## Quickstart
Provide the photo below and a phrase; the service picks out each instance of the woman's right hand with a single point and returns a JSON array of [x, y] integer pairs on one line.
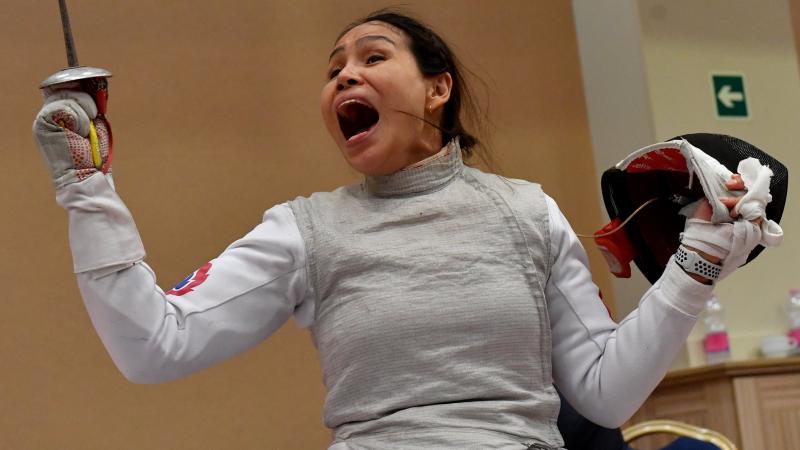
[[63, 132]]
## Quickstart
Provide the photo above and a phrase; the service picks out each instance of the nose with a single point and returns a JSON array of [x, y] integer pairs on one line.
[[349, 82], [346, 78]]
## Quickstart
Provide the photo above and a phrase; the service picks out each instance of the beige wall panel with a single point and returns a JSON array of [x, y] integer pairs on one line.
[[683, 42], [657, 76], [215, 113]]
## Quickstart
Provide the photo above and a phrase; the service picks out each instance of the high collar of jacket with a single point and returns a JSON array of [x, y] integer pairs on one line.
[[428, 175]]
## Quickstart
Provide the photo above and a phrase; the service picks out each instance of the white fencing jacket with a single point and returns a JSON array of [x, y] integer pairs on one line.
[[604, 369]]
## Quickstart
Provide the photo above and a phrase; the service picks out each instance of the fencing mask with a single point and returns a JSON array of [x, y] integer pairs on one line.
[[659, 181]]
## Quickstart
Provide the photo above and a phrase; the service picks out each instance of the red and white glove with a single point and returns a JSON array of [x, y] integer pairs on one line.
[[61, 130]]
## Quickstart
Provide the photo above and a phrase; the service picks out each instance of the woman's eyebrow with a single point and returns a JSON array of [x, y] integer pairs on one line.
[[360, 42]]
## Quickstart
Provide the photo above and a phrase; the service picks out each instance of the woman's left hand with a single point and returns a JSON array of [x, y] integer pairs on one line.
[[734, 184], [714, 241]]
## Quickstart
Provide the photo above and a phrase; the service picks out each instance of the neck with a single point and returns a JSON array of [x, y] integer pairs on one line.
[[426, 175]]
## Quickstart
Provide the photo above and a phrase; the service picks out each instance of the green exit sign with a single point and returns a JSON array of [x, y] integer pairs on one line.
[[729, 96]]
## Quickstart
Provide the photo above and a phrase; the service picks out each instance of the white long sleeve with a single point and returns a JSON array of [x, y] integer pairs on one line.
[[229, 305], [605, 370]]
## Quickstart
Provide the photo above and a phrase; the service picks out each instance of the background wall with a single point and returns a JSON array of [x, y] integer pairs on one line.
[[681, 50], [215, 113], [657, 83]]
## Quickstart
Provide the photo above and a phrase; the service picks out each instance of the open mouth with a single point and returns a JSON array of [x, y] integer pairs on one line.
[[356, 118]]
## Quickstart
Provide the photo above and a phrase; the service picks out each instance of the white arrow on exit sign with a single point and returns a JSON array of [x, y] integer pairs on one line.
[[726, 96], [730, 95]]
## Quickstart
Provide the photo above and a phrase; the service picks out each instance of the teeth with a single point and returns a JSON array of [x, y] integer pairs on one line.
[[355, 117], [351, 101]]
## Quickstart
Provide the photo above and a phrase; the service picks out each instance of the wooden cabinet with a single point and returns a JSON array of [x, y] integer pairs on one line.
[[755, 403]]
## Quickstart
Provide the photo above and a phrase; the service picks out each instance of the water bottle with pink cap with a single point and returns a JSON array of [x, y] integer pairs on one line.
[[793, 307], [716, 345]]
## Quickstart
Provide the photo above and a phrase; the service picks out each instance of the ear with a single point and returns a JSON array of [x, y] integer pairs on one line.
[[439, 91]]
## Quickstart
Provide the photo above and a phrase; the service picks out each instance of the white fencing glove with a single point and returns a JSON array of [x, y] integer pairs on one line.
[[62, 131]]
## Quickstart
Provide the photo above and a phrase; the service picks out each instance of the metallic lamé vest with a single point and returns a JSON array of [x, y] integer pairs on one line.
[[431, 321]]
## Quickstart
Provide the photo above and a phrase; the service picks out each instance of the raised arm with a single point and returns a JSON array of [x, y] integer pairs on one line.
[[607, 370], [225, 307]]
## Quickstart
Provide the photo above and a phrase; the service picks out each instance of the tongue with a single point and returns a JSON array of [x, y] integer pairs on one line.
[[357, 118]]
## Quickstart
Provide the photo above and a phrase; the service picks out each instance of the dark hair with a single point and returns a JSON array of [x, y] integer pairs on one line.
[[434, 57]]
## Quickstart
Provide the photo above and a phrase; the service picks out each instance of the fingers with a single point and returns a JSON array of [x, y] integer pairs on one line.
[[69, 85], [82, 99], [703, 210], [735, 183], [731, 202], [65, 114]]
